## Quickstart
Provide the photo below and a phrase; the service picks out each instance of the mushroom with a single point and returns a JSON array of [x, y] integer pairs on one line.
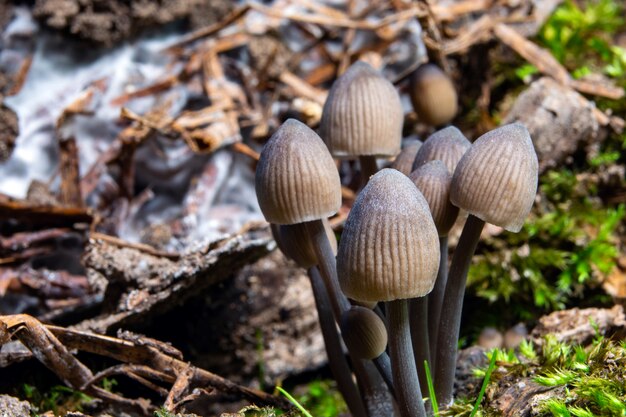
[[297, 183], [433, 95], [404, 160], [433, 180], [364, 332], [365, 335], [362, 117], [300, 250], [447, 145], [389, 252], [496, 182]]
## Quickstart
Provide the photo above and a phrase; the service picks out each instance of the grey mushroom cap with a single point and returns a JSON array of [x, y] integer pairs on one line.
[[294, 242], [363, 115], [496, 180], [434, 180], [296, 178], [389, 248], [404, 160], [447, 145]]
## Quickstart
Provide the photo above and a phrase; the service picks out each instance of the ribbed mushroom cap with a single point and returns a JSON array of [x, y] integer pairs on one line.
[[294, 242], [433, 180], [404, 160], [389, 248], [296, 178], [496, 180], [433, 95], [362, 115], [364, 332], [447, 145]]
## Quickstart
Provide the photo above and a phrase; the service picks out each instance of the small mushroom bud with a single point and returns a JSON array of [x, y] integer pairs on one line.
[[515, 336], [433, 95], [496, 180], [296, 178], [490, 338], [433, 180], [364, 332], [362, 115], [404, 160], [290, 242], [447, 145]]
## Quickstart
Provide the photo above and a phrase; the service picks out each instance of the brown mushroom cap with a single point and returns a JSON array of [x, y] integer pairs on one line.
[[404, 160], [294, 242], [496, 180], [389, 248], [433, 180], [362, 115], [433, 95], [447, 145], [364, 332], [296, 178]]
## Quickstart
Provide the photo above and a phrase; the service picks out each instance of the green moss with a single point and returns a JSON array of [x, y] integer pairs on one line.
[[59, 399], [592, 379]]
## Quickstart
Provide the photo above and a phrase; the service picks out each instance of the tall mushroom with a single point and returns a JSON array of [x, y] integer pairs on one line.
[[433, 180], [362, 117], [447, 145], [297, 183], [495, 182], [389, 252]]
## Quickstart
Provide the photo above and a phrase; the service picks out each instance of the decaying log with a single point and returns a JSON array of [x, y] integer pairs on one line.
[[559, 119], [580, 326], [140, 282]]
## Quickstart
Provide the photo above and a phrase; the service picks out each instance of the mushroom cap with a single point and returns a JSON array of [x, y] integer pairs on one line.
[[433, 180], [404, 160], [496, 180], [296, 178], [389, 248], [362, 115], [447, 145], [433, 95], [294, 241], [364, 332]]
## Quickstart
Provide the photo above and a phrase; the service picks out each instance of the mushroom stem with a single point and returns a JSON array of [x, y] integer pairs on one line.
[[327, 265], [336, 357], [450, 321], [383, 364], [418, 311], [369, 167], [405, 378], [435, 300]]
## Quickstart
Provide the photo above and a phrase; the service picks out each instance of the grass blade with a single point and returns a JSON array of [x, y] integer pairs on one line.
[[294, 402], [483, 388], [431, 389]]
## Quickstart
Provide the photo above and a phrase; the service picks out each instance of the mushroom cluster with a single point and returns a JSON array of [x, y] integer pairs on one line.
[[380, 292]]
